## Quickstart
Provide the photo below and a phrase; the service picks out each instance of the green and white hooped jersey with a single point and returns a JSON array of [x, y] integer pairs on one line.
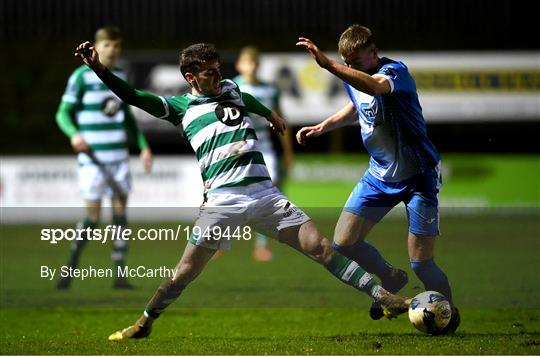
[[222, 135], [100, 115], [268, 95]]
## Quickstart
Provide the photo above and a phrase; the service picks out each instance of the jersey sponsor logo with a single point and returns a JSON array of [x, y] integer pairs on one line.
[[229, 114], [110, 106], [368, 113]]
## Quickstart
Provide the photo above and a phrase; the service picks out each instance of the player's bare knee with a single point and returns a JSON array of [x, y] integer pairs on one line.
[[327, 251], [310, 240], [321, 251]]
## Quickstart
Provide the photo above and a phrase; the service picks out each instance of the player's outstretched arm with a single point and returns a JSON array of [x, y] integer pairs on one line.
[[356, 78], [342, 118], [146, 101]]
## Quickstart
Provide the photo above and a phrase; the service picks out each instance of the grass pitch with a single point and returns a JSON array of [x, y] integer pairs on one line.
[[288, 306]]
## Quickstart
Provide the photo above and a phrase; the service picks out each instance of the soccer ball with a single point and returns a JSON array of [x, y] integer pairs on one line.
[[430, 312]]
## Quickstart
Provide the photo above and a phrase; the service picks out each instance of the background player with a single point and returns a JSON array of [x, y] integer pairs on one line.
[[404, 164], [96, 121], [238, 190], [268, 94]]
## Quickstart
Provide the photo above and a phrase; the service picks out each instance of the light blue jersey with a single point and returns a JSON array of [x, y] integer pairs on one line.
[[393, 127]]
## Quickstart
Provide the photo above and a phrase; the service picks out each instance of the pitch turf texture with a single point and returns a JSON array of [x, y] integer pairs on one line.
[[289, 306], [292, 305]]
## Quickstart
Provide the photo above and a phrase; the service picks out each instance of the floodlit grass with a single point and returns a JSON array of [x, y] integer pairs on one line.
[[288, 306]]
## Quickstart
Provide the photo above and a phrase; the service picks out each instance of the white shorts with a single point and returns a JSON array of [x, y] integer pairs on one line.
[[93, 184], [230, 213]]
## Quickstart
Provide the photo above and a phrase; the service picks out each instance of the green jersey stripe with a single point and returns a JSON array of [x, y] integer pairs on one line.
[[246, 181], [102, 126], [225, 143], [98, 147], [88, 117], [106, 156], [95, 87], [224, 139], [248, 158], [98, 107], [197, 125]]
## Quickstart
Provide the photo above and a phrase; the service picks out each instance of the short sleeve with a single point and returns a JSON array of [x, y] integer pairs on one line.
[[398, 76], [74, 88], [175, 108]]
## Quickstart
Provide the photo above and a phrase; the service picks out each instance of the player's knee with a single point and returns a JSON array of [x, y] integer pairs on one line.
[[310, 240], [322, 251]]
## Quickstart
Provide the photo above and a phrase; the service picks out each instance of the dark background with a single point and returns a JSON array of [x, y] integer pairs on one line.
[[38, 38]]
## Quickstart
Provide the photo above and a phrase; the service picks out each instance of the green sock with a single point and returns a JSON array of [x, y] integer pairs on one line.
[[78, 245], [119, 220], [352, 274], [119, 247], [261, 240]]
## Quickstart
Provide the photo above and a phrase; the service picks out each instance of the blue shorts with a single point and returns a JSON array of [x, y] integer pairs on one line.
[[373, 199]]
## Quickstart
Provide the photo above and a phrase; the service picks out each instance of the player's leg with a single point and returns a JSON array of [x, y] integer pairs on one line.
[[349, 239], [423, 216], [89, 223], [92, 188], [119, 246], [367, 205], [215, 212], [274, 214], [307, 239], [261, 249], [93, 213], [421, 254], [190, 266]]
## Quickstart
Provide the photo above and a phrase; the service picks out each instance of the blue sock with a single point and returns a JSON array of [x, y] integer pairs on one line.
[[367, 256], [432, 277]]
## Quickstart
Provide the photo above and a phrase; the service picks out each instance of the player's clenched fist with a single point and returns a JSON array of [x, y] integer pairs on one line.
[[147, 160], [78, 144], [88, 54]]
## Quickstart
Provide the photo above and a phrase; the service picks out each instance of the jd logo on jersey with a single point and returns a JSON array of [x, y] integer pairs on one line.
[[110, 106], [229, 114]]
